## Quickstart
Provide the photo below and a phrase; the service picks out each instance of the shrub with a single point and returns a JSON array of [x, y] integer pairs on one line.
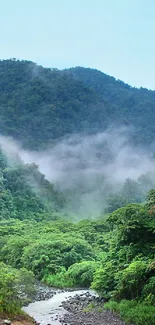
[[131, 280], [59, 279], [133, 312], [47, 256], [104, 280], [14, 286], [82, 273], [148, 293]]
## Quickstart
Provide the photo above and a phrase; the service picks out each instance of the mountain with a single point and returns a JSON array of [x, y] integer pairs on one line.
[[39, 105], [129, 106], [113, 253]]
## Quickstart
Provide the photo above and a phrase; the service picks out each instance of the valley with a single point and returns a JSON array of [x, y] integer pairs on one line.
[[77, 195]]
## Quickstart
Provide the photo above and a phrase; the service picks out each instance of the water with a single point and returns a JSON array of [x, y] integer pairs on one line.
[[49, 311]]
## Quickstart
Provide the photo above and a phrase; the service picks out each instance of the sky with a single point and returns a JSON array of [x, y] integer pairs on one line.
[[114, 36]]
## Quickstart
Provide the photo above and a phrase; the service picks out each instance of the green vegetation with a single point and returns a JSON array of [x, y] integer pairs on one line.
[[115, 253], [124, 105], [16, 286], [39, 105], [133, 312], [25, 193]]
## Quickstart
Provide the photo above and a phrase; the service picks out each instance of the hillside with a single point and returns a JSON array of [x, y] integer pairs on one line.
[[109, 244], [39, 105], [25, 193], [129, 106]]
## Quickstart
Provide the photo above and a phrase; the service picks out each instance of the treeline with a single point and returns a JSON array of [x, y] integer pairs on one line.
[[128, 106], [113, 255], [131, 191], [24, 191], [39, 105]]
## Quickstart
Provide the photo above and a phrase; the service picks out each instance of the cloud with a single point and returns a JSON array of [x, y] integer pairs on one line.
[[85, 168]]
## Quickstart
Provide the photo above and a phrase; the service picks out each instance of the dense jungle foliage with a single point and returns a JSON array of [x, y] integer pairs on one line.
[[127, 105], [39, 105], [114, 253]]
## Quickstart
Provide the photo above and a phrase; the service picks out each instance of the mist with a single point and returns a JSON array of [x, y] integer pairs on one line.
[[86, 168]]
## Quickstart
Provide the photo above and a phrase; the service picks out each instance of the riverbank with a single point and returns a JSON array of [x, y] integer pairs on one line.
[[22, 319], [71, 308], [63, 307], [88, 310]]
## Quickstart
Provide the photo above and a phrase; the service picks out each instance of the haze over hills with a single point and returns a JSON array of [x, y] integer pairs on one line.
[[91, 136], [77, 173], [81, 127], [77, 162], [128, 105], [39, 105]]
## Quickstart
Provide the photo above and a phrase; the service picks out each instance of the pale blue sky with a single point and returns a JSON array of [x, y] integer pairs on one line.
[[114, 36]]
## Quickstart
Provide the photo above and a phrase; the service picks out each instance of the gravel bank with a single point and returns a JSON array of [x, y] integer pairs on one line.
[[80, 313]]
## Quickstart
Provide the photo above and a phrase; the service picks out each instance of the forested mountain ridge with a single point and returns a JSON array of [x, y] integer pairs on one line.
[[114, 252], [38, 105], [130, 106]]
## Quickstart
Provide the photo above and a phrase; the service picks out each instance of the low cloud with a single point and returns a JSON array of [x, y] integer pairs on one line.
[[85, 168]]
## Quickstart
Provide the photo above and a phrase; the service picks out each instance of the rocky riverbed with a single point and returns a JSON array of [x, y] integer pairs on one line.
[[43, 292], [81, 307], [54, 307], [85, 309]]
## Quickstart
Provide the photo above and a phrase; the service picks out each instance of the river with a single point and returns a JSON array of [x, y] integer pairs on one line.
[[50, 311]]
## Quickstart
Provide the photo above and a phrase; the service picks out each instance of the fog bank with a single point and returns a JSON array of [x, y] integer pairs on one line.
[[85, 168]]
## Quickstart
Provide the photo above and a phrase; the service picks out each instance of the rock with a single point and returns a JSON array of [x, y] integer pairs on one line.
[[76, 316], [7, 321]]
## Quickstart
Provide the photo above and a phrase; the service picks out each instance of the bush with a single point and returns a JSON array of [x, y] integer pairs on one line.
[[78, 274], [15, 285], [148, 293], [59, 279], [133, 312], [104, 280], [82, 273], [48, 255], [131, 280]]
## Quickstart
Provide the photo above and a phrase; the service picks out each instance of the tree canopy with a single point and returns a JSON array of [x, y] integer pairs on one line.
[[39, 105]]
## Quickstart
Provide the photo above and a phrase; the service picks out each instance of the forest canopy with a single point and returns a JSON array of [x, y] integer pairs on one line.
[[41, 239], [39, 105]]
